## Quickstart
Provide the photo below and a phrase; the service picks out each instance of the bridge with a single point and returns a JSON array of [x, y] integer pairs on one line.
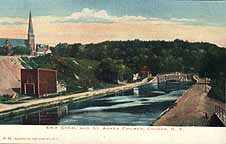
[[177, 76], [165, 80]]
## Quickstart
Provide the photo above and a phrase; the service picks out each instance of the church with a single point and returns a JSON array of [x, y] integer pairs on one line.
[[29, 42]]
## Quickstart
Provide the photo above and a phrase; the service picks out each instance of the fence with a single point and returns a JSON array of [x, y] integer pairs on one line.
[[221, 113]]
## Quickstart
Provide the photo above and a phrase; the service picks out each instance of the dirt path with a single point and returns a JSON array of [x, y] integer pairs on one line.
[[191, 108]]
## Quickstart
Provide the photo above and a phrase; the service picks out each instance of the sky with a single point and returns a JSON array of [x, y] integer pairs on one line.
[[92, 21]]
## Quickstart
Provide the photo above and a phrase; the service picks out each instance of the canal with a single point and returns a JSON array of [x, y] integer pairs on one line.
[[136, 107]]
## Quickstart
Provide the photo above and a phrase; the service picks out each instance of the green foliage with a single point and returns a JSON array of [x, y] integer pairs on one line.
[[3, 50], [111, 71], [19, 50], [78, 75], [108, 70], [218, 89], [67, 50], [4, 98], [119, 59], [111, 61]]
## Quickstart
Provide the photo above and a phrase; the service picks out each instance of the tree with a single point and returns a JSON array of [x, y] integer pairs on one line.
[[20, 50], [3, 50], [118, 59], [107, 71]]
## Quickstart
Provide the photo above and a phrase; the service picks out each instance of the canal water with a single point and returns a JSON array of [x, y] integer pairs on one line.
[[136, 107]]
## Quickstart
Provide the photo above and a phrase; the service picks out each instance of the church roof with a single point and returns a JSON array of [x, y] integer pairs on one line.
[[15, 42]]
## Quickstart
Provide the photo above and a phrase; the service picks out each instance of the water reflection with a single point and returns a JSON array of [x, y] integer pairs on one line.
[[125, 108], [139, 106], [45, 117]]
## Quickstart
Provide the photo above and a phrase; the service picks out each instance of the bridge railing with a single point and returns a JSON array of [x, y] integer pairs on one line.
[[221, 113], [174, 76]]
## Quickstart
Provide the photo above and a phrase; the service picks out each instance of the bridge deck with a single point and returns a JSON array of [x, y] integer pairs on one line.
[[174, 76]]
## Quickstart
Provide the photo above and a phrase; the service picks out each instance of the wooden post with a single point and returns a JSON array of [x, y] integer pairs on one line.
[[25, 89], [165, 81], [157, 81]]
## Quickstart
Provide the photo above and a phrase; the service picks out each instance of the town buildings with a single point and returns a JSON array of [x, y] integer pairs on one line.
[[29, 42], [35, 49], [42, 49]]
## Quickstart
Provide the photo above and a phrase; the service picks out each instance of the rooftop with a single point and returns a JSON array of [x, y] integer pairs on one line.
[[15, 42]]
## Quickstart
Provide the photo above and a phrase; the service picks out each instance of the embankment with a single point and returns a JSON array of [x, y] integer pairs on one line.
[[13, 110], [10, 68], [193, 108]]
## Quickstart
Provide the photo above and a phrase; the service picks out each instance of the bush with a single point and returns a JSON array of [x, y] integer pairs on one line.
[[3, 51], [19, 50], [4, 98]]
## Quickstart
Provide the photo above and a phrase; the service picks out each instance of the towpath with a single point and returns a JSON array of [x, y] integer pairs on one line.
[[193, 108], [6, 109]]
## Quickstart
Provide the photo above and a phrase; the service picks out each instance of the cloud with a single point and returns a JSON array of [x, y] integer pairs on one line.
[[12, 21], [89, 25], [90, 15], [87, 15], [182, 20]]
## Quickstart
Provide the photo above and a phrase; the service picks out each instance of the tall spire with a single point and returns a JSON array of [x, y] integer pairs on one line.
[[30, 28], [31, 36]]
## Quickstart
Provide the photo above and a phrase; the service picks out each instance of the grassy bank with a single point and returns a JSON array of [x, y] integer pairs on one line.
[[77, 74]]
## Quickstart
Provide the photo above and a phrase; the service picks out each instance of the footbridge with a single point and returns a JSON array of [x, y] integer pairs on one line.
[[176, 76]]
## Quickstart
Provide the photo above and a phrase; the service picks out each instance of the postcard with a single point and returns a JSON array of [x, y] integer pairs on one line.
[[113, 71]]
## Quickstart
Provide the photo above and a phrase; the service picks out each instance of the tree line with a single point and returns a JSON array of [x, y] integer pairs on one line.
[[118, 60], [18, 50]]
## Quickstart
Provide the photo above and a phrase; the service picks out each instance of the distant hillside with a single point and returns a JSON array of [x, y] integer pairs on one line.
[[121, 59]]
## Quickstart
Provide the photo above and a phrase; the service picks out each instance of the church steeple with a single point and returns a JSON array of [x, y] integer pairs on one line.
[[31, 36], [30, 27]]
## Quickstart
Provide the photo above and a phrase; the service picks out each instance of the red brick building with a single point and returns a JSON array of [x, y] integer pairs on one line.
[[38, 82]]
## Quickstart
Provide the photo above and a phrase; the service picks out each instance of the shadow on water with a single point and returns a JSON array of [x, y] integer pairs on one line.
[[138, 106]]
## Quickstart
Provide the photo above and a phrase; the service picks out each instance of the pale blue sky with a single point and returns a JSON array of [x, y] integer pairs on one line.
[[207, 12]]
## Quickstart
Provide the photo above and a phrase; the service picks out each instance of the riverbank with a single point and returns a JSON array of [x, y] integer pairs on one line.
[[11, 110], [193, 108]]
